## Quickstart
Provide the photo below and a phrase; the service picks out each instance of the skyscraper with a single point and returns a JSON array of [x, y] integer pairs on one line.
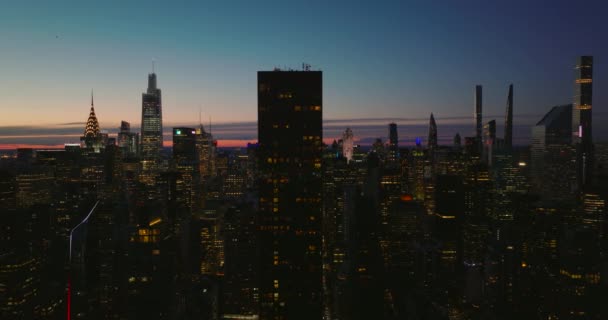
[[432, 143], [393, 143], [489, 140], [92, 137], [550, 151], [581, 120], [289, 156], [347, 144], [151, 129], [509, 120], [478, 106], [128, 141]]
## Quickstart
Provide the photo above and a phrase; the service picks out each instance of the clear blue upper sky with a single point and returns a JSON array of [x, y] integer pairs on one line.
[[380, 58]]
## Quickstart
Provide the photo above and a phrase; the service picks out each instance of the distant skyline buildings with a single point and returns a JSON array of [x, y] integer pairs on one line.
[[203, 60]]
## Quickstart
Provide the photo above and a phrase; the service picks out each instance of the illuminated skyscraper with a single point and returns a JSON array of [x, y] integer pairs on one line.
[[581, 120], [290, 150], [128, 141], [347, 144], [151, 130], [509, 120], [186, 165], [92, 137]]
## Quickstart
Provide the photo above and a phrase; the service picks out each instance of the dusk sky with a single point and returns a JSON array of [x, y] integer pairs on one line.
[[382, 61]]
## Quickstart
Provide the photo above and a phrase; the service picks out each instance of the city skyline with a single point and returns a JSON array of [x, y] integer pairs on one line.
[[398, 74]]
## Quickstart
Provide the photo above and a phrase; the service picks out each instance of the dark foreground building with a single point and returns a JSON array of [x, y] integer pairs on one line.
[[290, 149]]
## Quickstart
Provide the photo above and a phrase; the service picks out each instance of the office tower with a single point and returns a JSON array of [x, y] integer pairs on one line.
[[151, 130], [509, 120], [582, 120], [489, 141], [289, 155], [92, 139], [347, 144], [185, 162], [128, 141], [204, 147], [393, 143], [478, 106], [552, 172], [449, 215], [432, 143], [457, 141]]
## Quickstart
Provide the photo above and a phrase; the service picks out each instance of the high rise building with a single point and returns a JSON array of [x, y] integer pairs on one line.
[[552, 172], [128, 141], [432, 143], [457, 141], [186, 166], [478, 106], [289, 155], [347, 144], [509, 120], [151, 129], [393, 143], [92, 137], [582, 136], [489, 140]]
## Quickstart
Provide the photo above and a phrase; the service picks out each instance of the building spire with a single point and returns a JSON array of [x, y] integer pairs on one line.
[[92, 127]]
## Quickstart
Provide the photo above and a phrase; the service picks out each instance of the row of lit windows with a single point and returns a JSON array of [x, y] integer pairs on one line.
[[306, 108], [274, 228]]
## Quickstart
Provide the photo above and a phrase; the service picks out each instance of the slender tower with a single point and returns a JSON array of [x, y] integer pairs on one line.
[[582, 120], [393, 143], [509, 119], [432, 143], [477, 114], [151, 129]]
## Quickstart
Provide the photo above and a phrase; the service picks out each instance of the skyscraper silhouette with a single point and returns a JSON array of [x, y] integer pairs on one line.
[[581, 119], [509, 119], [478, 107], [393, 143], [289, 157], [432, 143]]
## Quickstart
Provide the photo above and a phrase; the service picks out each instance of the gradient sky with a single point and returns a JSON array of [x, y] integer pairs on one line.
[[381, 59]]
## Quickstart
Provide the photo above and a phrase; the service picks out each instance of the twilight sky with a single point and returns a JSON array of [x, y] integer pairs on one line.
[[382, 61]]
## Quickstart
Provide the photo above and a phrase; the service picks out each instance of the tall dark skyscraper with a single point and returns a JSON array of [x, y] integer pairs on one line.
[[509, 119], [477, 114], [151, 127], [432, 143], [581, 119], [290, 150], [393, 143]]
